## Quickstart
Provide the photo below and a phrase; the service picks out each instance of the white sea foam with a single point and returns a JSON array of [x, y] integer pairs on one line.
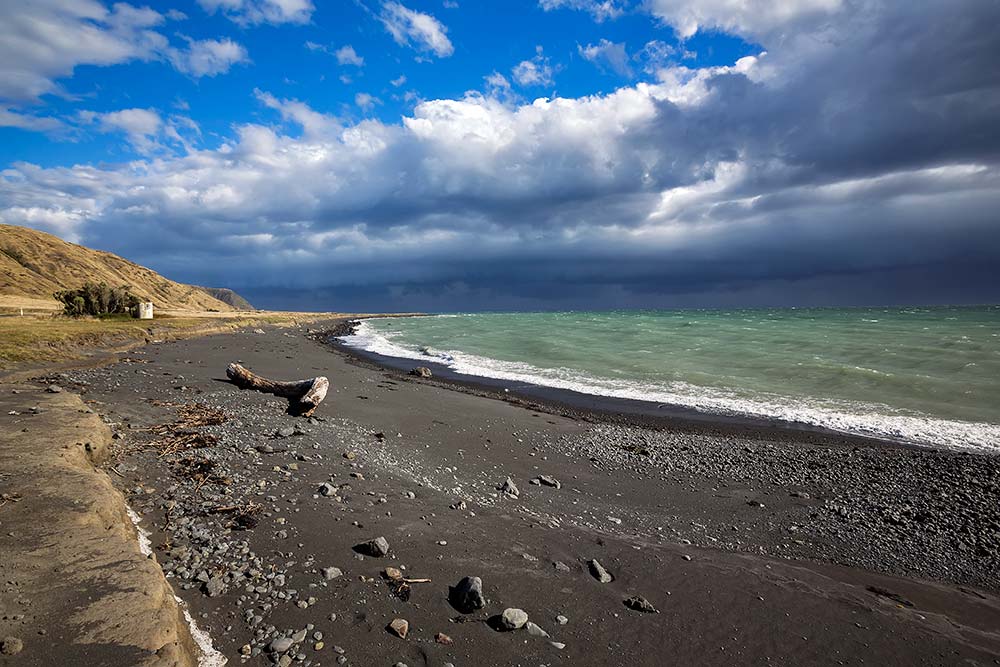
[[208, 655], [858, 418]]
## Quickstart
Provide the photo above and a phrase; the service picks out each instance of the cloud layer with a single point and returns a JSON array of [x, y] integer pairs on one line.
[[855, 156]]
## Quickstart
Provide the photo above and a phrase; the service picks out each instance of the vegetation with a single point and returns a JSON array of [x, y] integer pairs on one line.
[[97, 300]]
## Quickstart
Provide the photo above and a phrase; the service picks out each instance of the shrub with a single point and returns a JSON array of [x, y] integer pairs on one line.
[[98, 300]]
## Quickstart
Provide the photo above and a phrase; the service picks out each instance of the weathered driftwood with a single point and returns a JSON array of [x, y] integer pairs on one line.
[[304, 396]]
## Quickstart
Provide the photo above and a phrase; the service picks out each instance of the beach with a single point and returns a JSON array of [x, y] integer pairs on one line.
[[720, 542]]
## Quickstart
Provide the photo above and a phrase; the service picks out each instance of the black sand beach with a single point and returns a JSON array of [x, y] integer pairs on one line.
[[754, 545]]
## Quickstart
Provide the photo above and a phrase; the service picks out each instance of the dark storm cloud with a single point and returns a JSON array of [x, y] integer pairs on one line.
[[860, 150]]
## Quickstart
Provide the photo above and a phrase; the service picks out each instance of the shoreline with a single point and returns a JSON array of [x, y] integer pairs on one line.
[[609, 409], [734, 534]]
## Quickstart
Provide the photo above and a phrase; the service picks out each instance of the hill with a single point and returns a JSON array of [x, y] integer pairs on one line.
[[34, 265], [227, 295]]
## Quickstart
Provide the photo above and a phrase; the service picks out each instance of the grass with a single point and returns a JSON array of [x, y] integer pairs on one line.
[[32, 339]]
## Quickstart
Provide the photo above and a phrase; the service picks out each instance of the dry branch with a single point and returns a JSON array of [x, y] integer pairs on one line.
[[304, 396]]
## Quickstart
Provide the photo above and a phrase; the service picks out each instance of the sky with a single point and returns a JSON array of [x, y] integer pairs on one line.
[[371, 155]]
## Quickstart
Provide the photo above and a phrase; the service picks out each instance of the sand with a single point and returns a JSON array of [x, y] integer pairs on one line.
[[754, 545]]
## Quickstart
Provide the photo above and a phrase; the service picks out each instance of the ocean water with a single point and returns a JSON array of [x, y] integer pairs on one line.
[[927, 376]]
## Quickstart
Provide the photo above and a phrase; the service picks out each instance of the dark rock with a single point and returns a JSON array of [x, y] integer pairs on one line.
[[421, 371], [639, 603], [467, 595], [378, 547], [601, 574]]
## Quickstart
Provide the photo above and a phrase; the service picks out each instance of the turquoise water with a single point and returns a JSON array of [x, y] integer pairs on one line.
[[928, 376]]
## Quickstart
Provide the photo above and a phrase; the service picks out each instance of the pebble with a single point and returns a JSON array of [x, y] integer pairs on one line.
[[534, 630], [13, 645], [513, 619], [332, 573], [550, 481], [378, 547], [280, 645], [467, 595], [509, 488], [399, 627], [562, 620], [639, 603], [442, 638], [601, 574]]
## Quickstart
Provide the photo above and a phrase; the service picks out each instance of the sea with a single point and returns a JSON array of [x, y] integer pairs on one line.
[[927, 376]]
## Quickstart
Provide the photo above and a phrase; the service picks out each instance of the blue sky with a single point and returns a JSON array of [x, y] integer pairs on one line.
[[380, 154]]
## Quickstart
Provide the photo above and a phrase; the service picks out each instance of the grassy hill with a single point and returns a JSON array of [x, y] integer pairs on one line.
[[34, 265]]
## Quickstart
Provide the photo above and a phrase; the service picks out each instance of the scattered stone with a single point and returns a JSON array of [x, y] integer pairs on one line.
[[330, 573], [639, 603], [442, 638], [550, 481], [285, 432], [460, 505], [280, 645], [327, 489], [508, 488], [215, 587], [54, 389], [561, 566], [399, 627], [467, 596], [378, 547], [558, 645], [513, 619], [421, 371], [599, 572], [561, 620], [534, 630], [13, 645]]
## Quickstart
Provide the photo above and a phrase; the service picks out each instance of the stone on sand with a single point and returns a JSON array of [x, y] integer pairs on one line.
[[601, 574], [513, 619], [639, 603], [399, 627], [509, 488], [332, 573], [467, 595], [378, 547]]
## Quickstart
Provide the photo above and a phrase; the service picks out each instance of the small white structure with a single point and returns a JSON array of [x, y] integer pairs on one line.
[[145, 310]]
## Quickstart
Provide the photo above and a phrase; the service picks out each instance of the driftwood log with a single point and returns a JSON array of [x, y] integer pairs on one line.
[[304, 396]]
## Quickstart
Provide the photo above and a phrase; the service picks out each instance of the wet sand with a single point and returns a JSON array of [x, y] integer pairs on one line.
[[755, 545]]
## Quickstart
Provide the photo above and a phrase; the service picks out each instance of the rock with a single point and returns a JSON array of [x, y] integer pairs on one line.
[[327, 489], [13, 645], [513, 619], [442, 638], [378, 547], [285, 432], [549, 481], [562, 620], [421, 371], [561, 566], [534, 630], [510, 489], [280, 645], [639, 603], [215, 587], [399, 627], [285, 661], [558, 645], [299, 637], [332, 573], [467, 595], [599, 572], [54, 389]]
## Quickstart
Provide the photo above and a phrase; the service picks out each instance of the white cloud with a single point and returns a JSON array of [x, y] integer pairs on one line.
[[366, 101], [252, 12], [601, 10], [422, 31], [11, 118], [755, 19], [347, 56], [207, 57], [45, 40], [398, 81], [145, 129], [609, 55], [535, 72]]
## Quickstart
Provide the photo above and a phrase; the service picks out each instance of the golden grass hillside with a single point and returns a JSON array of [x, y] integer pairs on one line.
[[34, 265]]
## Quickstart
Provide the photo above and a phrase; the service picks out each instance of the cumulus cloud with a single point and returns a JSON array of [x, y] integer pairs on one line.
[[834, 163], [608, 55], [366, 101], [347, 56], [207, 57], [601, 10], [144, 129], [412, 28], [45, 40], [535, 72], [757, 19], [252, 12]]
